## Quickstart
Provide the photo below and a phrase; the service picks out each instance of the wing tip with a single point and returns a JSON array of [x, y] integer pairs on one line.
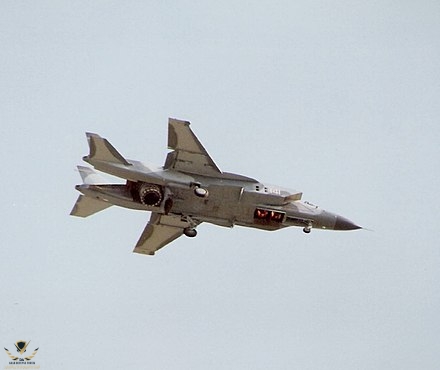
[[173, 121], [144, 252]]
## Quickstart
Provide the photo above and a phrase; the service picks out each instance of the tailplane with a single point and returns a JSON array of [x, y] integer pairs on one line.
[[86, 206], [90, 177]]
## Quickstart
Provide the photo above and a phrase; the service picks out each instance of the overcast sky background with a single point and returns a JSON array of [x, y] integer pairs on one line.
[[338, 99]]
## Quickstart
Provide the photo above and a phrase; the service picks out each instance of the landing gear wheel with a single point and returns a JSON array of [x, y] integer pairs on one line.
[[307, 229], [190, 232]]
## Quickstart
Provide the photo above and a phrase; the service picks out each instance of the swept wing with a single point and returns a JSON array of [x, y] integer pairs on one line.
[[160, 230]]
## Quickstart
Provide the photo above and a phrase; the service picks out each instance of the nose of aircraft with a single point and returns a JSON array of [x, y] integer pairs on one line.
[[344, 224]]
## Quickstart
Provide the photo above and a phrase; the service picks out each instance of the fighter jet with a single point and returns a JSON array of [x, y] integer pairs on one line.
[[190, 189]]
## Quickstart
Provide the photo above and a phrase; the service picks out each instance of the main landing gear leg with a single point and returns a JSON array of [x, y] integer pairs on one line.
[[190, 231], [308, 228]]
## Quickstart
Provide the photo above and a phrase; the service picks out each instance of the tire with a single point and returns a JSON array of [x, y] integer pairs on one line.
[[190, 232]]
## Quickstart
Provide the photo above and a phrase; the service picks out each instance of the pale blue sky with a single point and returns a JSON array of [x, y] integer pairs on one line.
[[344, 98]]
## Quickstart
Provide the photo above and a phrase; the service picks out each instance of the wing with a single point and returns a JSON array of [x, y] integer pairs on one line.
[[189, 155], [160, 231]]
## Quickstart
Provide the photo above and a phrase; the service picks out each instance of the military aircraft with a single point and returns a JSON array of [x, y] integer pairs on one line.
[[190, 189]]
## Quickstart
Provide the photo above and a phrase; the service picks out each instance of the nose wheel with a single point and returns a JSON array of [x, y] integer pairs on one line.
[[308, 229]]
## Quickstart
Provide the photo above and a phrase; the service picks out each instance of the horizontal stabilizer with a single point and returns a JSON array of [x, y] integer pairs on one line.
[[101, 150], [90, 177], [86, 206]]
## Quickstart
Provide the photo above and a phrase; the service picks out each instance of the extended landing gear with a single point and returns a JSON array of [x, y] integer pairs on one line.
[[190, 232], [308, 229]]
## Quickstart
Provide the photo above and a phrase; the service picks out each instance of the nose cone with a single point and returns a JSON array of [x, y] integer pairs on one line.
[[344, 224]]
